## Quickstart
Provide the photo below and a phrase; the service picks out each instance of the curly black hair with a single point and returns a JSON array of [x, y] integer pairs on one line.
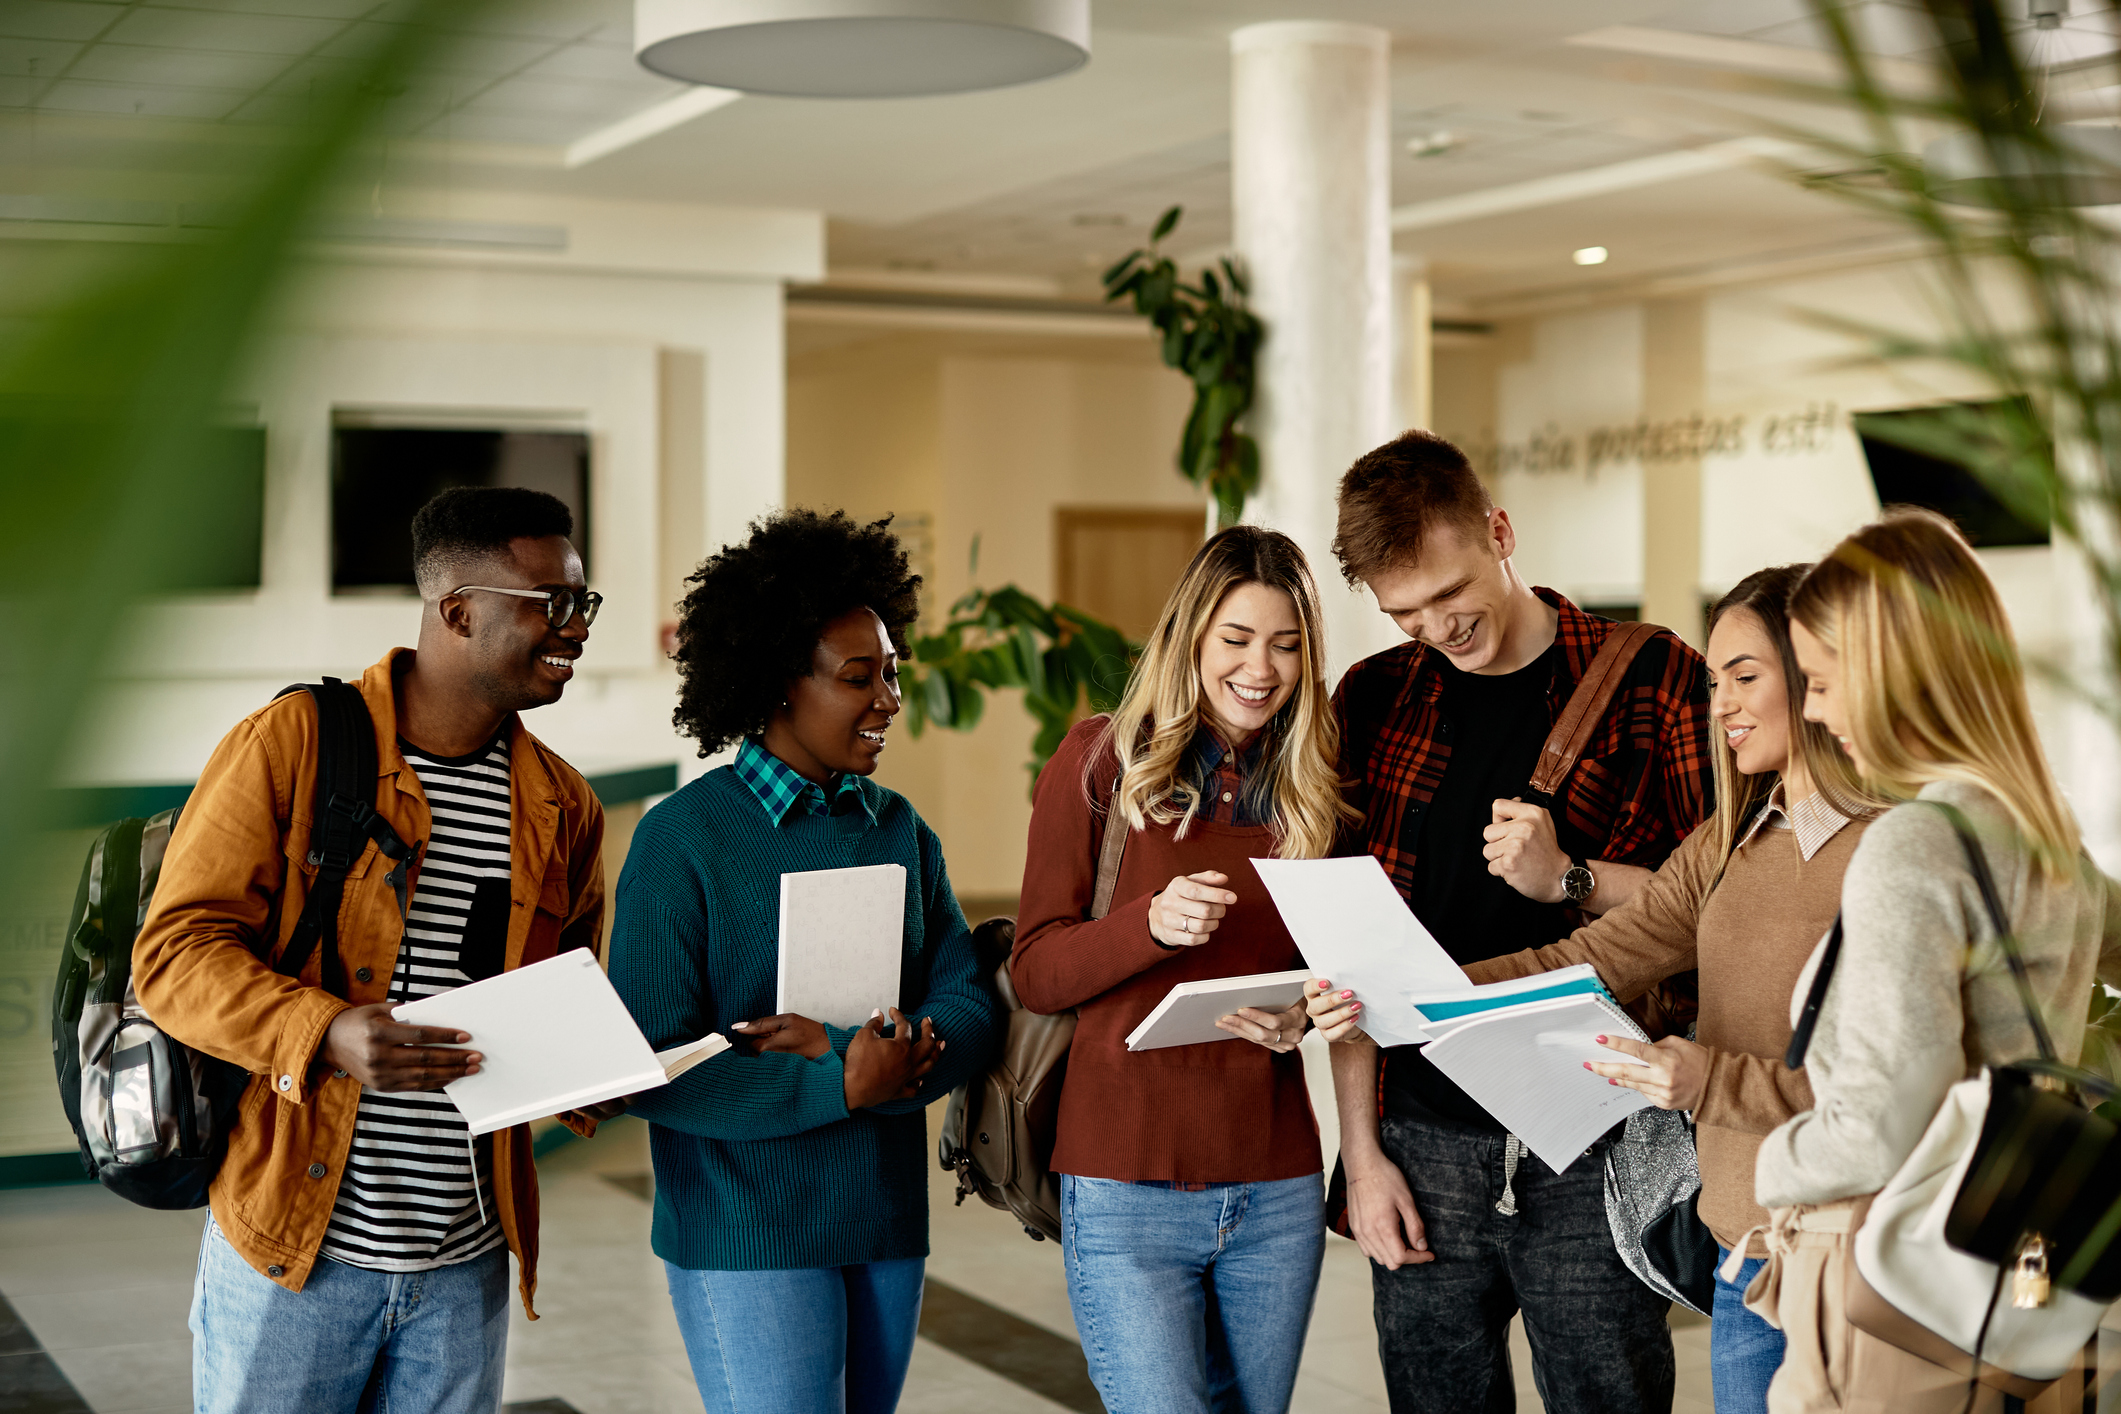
[[756, 611]]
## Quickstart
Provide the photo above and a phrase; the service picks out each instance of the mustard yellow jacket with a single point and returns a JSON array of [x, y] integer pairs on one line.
[[231, 891]]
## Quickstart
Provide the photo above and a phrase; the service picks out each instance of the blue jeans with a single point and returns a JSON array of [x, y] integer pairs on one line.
[[817, 1340], [1744, 1351], [1192, 1301], [351, 1341]]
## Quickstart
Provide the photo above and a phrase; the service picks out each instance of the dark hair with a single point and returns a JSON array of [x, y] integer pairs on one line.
[[1394, 495], [755, 612], [468, 523]]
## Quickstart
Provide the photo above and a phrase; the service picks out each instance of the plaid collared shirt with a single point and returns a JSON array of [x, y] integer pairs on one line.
[[781, 789], [1641, 785], [1226, 779]]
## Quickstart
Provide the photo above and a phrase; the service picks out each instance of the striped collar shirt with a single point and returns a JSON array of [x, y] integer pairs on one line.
[[1812, 818], [783, 790]]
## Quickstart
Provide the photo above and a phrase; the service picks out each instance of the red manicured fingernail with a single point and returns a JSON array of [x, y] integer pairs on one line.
[[1356, 1007], [1586, 1065], [1600, 1040], [1612, 1082], [1345, 995]]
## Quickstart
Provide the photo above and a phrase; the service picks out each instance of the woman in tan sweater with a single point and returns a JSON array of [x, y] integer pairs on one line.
[[1743, 899]]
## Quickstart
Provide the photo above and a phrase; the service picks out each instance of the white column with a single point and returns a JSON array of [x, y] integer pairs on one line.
[[1311, 192], [1413, 361]]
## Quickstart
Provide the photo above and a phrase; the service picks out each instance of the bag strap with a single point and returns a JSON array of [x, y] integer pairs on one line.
[[1807, 1019], [2006, 939], [1587, 705], [344, 822], [1109, 853]]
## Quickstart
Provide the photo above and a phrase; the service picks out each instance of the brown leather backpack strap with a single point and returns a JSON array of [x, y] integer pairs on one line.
[[1109, 855], [1587, 705]]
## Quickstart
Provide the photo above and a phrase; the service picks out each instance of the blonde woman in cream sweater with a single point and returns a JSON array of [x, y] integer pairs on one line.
[[1910, 662]]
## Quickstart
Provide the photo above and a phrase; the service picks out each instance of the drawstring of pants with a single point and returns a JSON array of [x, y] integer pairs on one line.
[[1512, 1151]]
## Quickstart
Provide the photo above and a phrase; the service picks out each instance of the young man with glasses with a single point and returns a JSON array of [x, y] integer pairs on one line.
[[357, 1254]]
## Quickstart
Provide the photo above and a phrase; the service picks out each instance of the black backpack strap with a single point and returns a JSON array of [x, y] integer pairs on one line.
[[344, 822], [1807, 1019]]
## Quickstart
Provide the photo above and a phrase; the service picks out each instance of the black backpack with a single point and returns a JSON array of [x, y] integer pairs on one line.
[[152, 1115]]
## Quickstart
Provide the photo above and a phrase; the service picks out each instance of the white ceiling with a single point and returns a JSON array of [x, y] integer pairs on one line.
[[1040, 185]]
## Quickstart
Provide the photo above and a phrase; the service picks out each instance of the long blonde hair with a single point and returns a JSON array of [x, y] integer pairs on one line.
[[1152, 729], [1931, 674], [1765, 594]]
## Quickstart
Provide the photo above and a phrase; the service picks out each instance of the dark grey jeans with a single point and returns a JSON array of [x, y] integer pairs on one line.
[[1600, 1339]]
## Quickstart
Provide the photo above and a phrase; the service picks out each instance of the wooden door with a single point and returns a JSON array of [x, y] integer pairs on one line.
[[1121, 563]]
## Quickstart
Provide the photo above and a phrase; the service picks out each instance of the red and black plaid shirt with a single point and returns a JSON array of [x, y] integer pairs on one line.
[[1641, 785]]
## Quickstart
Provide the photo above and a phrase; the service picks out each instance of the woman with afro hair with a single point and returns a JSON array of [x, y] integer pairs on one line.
[[791, 1204]]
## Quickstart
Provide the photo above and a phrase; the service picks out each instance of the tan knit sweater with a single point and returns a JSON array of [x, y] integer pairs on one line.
[[1750, 941]]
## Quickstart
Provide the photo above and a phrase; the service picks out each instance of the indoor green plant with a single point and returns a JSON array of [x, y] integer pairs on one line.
[[1210, 336]]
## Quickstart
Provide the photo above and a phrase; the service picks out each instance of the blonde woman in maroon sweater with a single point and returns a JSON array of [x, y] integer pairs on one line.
[[1191, 1217]]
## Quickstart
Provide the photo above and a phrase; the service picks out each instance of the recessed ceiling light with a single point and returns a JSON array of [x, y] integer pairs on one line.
[[1590, 255]]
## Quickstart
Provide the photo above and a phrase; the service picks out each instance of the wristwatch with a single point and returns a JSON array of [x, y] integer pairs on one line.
[[1577, 883]]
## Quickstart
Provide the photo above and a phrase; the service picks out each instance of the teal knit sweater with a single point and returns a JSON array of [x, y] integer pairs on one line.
[[758, 1164]]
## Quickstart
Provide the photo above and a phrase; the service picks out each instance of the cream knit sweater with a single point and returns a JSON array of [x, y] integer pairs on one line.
[[1921, 998]]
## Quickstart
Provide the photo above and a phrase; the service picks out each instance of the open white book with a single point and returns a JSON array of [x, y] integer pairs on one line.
[[1524, 1064], [555, 1037], [1188, 1013], [843, 942]]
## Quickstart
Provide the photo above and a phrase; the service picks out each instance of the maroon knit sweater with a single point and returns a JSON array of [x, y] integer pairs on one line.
[[1221, 1112]]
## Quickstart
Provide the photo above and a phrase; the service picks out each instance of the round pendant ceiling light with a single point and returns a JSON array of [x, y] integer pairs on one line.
[[861, 48], [2081, 167]]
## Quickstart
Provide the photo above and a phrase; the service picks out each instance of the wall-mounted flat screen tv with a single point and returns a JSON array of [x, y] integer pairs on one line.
[[1926, 457], [382, 474]]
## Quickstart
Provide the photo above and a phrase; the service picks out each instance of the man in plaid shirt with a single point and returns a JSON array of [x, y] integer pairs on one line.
[[1465, 1227]]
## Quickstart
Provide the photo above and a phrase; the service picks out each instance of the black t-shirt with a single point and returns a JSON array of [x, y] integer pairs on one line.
[[1494, 725]]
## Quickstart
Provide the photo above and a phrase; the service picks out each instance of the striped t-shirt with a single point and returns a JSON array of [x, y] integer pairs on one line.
[[406, 1201]]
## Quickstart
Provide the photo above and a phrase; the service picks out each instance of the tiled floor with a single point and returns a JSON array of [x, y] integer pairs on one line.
[[103, 1287]]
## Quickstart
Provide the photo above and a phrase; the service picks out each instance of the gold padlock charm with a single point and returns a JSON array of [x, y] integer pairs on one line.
[[2029, 1280]]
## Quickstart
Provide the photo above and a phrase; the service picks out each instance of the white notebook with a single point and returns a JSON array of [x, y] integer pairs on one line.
[[843, 942], [1188, 1013], [555, 1036], [1355, 931], [1524, 1064]]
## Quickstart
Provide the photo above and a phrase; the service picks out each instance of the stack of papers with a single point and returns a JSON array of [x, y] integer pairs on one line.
[[1188, 1013], [555, 1037], [1517, 1047], [1456, 1004], [1523, 1061]]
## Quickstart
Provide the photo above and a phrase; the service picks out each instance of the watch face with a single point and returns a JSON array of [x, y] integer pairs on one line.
[[1578, 883]]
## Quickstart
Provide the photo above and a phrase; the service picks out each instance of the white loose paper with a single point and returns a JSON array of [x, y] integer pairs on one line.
[[1355, 931]]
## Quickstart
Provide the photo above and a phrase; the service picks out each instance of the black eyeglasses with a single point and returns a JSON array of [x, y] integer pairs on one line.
[[560, 604]]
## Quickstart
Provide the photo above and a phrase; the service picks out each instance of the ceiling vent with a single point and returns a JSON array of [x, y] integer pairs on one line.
[[861, 48]]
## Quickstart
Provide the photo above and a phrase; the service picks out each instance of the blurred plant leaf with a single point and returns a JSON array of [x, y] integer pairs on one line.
[[1207, 333], [1004, 638], [112, 380]]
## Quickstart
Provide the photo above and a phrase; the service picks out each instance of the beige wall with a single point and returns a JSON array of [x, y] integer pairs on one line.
[[983, 436]]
